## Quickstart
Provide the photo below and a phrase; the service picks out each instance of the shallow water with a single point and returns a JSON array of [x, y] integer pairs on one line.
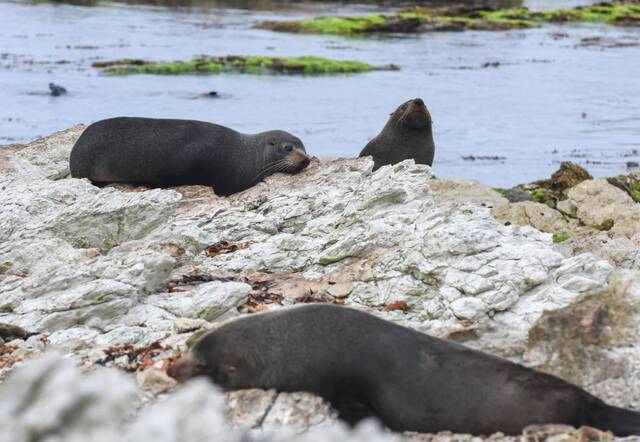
[[548, 100]]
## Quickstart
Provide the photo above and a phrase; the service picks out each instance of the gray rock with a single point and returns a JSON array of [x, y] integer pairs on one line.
[[50, 154], [48, 399], [91, 268]]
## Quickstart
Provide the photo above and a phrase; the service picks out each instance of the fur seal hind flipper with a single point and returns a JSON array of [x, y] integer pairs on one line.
[[619, 421]]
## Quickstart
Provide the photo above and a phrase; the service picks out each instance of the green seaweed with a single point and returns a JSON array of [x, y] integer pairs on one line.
[[605, 225], [255, 65], [636, 193], [476, 18], [339, 25], [560, 237], [538, 195], [603, 13], [5, 267], [507, 14], [500, 190]]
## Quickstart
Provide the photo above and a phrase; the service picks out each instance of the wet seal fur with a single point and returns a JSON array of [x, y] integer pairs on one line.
[[167, 153], [366, 366], [407, 135]]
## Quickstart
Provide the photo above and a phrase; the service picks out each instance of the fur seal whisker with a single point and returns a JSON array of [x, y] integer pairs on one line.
[[269, 169]]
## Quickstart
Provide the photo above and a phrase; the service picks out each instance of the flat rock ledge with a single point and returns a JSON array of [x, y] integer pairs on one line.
[[118, 281]]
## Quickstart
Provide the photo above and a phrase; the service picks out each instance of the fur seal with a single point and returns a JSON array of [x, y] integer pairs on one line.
[[407, 135], [167, 153], [366, 366]]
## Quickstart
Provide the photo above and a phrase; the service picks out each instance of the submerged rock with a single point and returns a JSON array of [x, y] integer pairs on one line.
[[56, 90]]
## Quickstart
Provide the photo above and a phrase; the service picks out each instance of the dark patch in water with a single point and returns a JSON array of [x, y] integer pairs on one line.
[[483, 158]]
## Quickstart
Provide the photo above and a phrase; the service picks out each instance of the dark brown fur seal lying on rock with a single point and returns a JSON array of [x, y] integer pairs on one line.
[[166, 153], [407, 135], [413, 382]]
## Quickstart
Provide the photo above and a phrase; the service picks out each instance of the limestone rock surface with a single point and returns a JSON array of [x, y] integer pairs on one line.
[[127, 277]]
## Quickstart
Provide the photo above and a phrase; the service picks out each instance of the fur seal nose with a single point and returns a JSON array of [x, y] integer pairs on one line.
[[303, 159], [418, 101], [182, 369]]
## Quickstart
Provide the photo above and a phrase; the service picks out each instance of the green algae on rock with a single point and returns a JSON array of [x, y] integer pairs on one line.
[[628, 183], [256, 65], [559, 237], [459, 18], [550, 191]]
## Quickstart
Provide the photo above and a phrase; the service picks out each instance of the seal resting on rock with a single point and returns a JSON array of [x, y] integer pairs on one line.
[[366, 366], [166, 153], [406, 136]]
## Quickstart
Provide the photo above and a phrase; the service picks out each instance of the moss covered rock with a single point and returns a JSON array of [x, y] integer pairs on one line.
[[256, 65], [460, 17]]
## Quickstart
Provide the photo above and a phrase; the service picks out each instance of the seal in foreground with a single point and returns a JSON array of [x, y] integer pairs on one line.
[[365, 365], [166, 153], [407, 135]]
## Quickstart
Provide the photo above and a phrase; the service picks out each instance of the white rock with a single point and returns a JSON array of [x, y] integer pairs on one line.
[[90, 266], [468, 308], [48, 399]]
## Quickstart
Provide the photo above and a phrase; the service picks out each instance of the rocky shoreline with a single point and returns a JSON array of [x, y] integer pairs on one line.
[[125, 278]]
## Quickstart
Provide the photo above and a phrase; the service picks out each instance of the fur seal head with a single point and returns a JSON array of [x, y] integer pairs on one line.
[[411, 114], [282, 152], [218, 356], [406, 135]]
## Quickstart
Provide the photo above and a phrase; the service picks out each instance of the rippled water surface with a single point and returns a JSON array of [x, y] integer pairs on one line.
[[548, 98]]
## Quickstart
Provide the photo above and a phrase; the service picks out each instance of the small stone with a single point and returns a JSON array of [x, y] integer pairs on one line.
[[155, 381], [468, 308], [185, 325], [246, 409], [9, 331]]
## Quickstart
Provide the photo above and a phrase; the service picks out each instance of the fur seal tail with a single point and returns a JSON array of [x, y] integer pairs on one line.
[[619, 421]]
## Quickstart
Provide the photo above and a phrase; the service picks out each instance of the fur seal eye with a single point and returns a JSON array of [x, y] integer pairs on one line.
[[271, 143], [288, 148]]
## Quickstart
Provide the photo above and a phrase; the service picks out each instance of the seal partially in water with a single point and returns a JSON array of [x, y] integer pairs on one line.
[[407, 135], [413, 382], [166, 153]]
